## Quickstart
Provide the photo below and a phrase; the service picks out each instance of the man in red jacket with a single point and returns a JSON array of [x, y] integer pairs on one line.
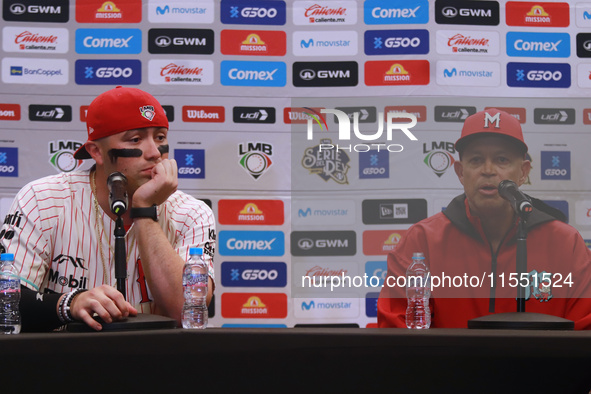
[[471, 246]]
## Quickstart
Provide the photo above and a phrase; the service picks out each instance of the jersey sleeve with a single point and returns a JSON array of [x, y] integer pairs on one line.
[[25, 237]]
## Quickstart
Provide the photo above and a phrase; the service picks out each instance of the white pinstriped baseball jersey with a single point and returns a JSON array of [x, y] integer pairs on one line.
[[57, 239]]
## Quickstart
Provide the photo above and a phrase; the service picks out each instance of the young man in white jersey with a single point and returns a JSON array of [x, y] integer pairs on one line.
[[64, 235]]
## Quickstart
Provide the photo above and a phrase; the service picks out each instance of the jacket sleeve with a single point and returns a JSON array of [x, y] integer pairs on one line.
[[578, 307]]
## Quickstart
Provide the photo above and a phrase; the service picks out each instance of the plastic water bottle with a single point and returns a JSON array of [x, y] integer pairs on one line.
[[418, 291], [10, 295], [195, 279]]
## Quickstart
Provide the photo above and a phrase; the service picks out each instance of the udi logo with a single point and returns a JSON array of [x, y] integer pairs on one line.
[[180, 72], [322, 13], [118, 11], [254, 274], [257, 212], [35, 40], [9, 162], [254, 305], [539, 14], [108, 72], [381, 242], [555, 165], [394, 72], [538, 75], [204, 114], [396, 42], [191, 163], [253, 12], [10, 112], [374, 164], [464, 42], [253, 42], [395, 12]]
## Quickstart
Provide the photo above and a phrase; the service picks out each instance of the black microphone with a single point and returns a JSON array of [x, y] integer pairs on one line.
[[117, 183], [519, 201]]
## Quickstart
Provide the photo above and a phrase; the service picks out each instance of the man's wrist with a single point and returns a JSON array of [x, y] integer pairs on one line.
[[144, 212]]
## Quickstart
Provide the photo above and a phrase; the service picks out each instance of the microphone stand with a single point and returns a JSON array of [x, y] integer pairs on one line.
[[521, 320], [120, 255]]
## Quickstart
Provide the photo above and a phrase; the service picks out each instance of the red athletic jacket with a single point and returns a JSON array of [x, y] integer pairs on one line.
[[478, 280]]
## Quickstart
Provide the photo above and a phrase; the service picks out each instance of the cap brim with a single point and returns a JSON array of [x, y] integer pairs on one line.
[[464, 141], [82, 153]]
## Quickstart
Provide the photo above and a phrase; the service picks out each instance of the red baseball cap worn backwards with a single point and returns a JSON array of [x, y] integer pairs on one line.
[[492, 122], [118, 110]]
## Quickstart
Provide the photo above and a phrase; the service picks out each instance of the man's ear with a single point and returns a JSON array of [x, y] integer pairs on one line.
[[459, 169], [95, 151], [525, 169]]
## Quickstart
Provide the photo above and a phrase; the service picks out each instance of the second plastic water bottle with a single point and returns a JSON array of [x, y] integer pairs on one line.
[[10, 295], [195, 280], [418, 292]]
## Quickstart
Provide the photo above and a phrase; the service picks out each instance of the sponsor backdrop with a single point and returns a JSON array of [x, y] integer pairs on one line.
[[244, 84]]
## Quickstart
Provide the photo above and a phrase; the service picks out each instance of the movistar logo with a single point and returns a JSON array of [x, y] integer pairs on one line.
[[307, 44]]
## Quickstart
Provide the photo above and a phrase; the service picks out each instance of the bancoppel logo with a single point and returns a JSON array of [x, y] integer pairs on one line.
[[364, 114], [10, 112], [395, 12], [554, 116], [255, 158], [194, 12], [244, 73], [330, 164], [254, 274], [323, 243], [393, 211], [319, 74], [257, 212], [538, 75], [108, 72], [40, 11], [538, 44], [324, 43], [253, 42], [9, 162], [584, 45], [403, 72], [116, 11], [253, 12], [453, 73], [438, 156], [396, 42], [108, 41], [191, 163], [381, 242], [463, 12], [545, 14], [204, 113], [444, 113], [322, 212], [323, 308], [419, 111], [374, 164], [463, 42], [323, 13], [35, 40], [180, 72], [35, 71], [555, 165], [184, 41], [61, 155], [254, 305], [253, 114], [50, 113], [583, 14], [252, 243]]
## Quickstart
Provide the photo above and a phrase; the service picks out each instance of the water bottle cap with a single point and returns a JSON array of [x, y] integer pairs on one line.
[[7, 257], [194, 250], [418, 255]]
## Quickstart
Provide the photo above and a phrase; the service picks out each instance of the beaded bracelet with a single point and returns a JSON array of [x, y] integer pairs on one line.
[[65, 315]]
